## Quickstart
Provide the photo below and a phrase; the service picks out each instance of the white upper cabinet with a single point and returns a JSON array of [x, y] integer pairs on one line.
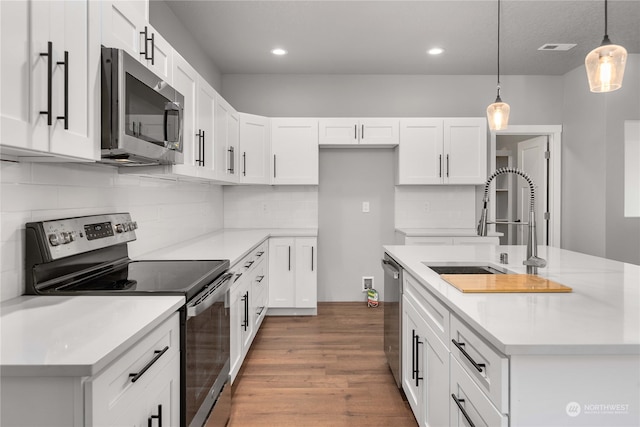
[[125, 25], [186, 82], [442, 151], [226, 140], [349, 131], [49, 79], [254, 149], [294, 151], [204, 155]]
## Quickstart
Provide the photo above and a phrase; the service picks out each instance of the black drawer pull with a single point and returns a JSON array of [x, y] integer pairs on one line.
[[459, 402], [249, 264], [158, 417], [158, 354], [460, 345], [259, 254], [259, 279]]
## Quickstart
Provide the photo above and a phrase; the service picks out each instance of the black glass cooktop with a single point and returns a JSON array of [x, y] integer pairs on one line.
[[142, 277]]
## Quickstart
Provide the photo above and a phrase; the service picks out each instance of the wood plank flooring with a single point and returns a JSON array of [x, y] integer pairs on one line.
[[326, 370]]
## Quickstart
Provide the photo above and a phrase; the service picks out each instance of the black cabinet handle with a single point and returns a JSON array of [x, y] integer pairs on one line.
[[311, 258], [447, 166], [66, 89], [259, 312], [460, 345], [274, 165], [440, 164], [362, 133], [248, 264], [158, 417], [245, 321], [259, 254], [158, 354], [145, 33], [415, 358], [259, 279], [244, 163], [203, 144], [459, 402], [49, 55], [355, 131], [289, 258], [199, 158], [153, 48]]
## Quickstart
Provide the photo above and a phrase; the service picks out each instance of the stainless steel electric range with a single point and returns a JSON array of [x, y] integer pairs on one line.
[[89, 256]]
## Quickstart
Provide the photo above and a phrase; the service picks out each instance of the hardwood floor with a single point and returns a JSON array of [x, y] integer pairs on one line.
[[326, 370]]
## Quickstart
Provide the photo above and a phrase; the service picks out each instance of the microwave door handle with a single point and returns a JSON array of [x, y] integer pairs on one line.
[[174, 108], [199, 306]]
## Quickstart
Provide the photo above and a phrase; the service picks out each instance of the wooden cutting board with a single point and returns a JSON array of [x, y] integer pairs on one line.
[[503, 283]]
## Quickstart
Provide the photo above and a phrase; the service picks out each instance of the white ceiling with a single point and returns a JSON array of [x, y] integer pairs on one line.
[[392, 37]]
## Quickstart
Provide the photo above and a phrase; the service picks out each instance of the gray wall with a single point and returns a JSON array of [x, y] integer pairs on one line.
[[175, 32], [349, 240], [533, 99], [592, 167]]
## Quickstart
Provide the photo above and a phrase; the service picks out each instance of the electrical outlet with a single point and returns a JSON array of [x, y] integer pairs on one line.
[[365, 207], [426, 207], [367, 283], [264, 206]]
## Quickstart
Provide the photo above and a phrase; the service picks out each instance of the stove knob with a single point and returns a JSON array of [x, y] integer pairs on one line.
[[54, 239], [134, 225], [66, 238], [120, 228], [72, 236]]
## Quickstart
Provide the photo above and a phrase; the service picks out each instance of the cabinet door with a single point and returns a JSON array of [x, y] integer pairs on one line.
[[434, 363], [281, 272], [21, 67], [465, 147], [420, 156], [338, 131], [254, 147], [122, 23], [379, 131], [294, 151], [163, 397], [236, 317], [75, 36], [185, 80], [410, 329], [160, 52], [227, 130], [306, 273], [203, 145]]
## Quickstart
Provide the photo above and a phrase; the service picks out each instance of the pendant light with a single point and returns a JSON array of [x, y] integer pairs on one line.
[[605, 64], [498, 112]]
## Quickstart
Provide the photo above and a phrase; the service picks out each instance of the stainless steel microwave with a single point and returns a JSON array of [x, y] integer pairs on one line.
[[142, 115]]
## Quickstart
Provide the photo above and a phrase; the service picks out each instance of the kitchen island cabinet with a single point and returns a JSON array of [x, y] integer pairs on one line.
[[66, 360], [532, 359]]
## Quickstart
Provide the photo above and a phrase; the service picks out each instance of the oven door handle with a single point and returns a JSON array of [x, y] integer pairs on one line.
[[206, 299]]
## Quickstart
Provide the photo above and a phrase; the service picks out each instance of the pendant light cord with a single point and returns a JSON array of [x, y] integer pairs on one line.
[[499, 47], [605, 19]]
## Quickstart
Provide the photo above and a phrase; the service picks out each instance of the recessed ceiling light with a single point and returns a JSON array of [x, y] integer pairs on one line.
[[279, 51], [435, 51], [557, 46]]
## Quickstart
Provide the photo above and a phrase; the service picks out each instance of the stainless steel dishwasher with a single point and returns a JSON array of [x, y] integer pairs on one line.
[[393, 316]]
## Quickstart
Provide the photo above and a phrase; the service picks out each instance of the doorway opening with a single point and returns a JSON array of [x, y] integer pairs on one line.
[[536, 150]]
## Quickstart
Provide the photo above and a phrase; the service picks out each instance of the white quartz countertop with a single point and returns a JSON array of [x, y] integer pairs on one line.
[[231, 244], [443, 232], [75, 336], [600, 316]]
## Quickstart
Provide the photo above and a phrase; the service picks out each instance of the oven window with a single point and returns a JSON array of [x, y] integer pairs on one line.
[[145, 112], [208, 350]]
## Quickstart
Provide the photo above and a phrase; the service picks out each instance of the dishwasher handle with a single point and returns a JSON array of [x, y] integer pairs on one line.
[[390, 267]]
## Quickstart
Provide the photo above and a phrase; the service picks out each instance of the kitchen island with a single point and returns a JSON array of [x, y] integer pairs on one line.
[[538, 358]]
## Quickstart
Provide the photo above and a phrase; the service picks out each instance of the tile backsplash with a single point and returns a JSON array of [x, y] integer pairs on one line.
[[271, 207], [445, 206], [167, 211]]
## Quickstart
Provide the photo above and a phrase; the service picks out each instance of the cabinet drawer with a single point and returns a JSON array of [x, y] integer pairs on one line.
[[488, 368], [115, 387], [433, 311], [467, 400]]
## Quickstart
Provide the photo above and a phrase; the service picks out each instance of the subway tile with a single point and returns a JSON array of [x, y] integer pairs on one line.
[[15, 173], [27, 197], [72, 175], [11, 284]]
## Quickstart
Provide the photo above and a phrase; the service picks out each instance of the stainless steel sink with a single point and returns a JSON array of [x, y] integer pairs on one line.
[[464, 269]]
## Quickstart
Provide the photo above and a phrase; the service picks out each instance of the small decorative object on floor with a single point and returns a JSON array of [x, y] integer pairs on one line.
[[372, 298]]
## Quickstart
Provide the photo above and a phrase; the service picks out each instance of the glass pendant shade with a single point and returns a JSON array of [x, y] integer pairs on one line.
[[498, 115], [605, 67]]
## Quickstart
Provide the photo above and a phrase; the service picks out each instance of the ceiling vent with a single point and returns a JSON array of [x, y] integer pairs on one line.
[[557, 46]]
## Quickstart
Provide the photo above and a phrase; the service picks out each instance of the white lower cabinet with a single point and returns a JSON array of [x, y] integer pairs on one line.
[[140, 388], [247, 302], [293, 281], [425, 368]]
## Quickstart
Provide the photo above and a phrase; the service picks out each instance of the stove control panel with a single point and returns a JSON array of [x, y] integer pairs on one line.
[[72, 236]]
